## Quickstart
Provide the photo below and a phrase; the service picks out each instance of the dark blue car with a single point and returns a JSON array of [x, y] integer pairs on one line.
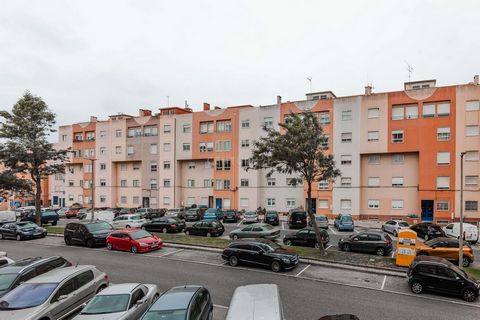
[[47, 217], [213, 214]]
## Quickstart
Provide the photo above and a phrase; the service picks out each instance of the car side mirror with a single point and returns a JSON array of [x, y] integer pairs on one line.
[[62, 297], [139, 302], [356, 239]]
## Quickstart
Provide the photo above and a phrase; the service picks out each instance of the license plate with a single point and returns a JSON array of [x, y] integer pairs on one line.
[[154, 245], [37, 233]]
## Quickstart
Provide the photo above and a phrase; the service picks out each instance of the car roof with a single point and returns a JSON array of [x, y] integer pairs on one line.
[[258, 224], [175, 298], [20, 265], [259, 300], [121, 288], [59, 274], [128, 230]]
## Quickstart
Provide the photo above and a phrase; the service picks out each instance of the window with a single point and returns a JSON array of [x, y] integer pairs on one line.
[[153, 148], [243, 182], [118, 133], [346, 182], [203, 147], [153, 183], [443, 109], [186, 147], [398, 158], [227, 145], [268, 122], [167, 147], [226, 184], [166, 165], [103, 199], [345, 204], [167, 128], [226, 165], [78, 137], [123, 167], [130, 150], [471, 131], [397, 181], [64, 137], [411, 112], [470, 106], [373, 204], [323, 203], [245, 143], [191, 165], [245, 124], [208, 164], [270, 202], [442, 205], [103, 182], [123, 199], [397, 204], [153, 200], [206, 127], [218, 146], [397, 136], [373, 113], [118, 150], [443, 158], [219, 165], [373, 181], [443, 134], [207, 183], [103, 150], [209, 146], [471, 205], [428, 110], [471, 156], [443, 183], [150, 131], [346, 137], [224, 126], [70, 197], [219, 184], [346, 115], [191, 183], [245, 163], [136, 183], [134, 132], [103, 166], [70, 183], [324, 117], [325, 141], [471, 181], [243, 202], [136, 200], [373, 135], [290, 203], [86, 184], [398, 113], [271, 182], [123, 183], [346, 159], [374, 159], [187, 128], [323, 185]]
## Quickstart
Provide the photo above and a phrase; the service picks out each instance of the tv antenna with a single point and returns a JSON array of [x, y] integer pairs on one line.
[[410, 70], [168, 101], [309, 79]]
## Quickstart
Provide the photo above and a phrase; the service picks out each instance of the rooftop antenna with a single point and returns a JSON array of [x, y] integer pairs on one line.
[[309, 79], [168, 101], [410, 70]]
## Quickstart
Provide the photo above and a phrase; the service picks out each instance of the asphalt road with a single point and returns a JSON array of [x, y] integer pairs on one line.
[[307, 292]]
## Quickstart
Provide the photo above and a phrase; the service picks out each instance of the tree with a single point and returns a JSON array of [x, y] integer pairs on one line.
[[9, 182], [26, 148], [296, 148]]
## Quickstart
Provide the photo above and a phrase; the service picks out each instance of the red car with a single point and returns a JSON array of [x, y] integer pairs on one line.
[[71, 213], [133, 240]]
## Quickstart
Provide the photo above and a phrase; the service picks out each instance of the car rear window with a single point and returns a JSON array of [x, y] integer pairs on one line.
[[403, 224], [99, 226]]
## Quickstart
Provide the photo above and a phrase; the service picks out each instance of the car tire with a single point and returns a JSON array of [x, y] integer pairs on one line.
[[101, 288], [109, 246], [164, 230], [19, 237], [346, 247], [91, 243], [380, 251], [209, 234], [68, 242], [416, 287], [127, 226], [233, 261], [288, 242], [1, 236], [235, 237], [469, 295], [133, 249], [466, 262], [187, 232], [276, 266], [395, 233]]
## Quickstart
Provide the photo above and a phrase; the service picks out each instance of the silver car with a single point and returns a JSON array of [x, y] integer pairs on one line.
[[393, 226], [250, 217], [120, 302], [54, 294]]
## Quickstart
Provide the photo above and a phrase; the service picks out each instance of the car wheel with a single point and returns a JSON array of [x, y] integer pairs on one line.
[[155, 297], [187, 232], [416, 287], [164, 230], [466, 261], [109, 246], [68, 241], [101, 288], [133, 249], [209, 234], [276, 266], [288, 242], [469, 295], [380, 252], [235, 237], [91, 243], [395, 233], [54, 223], [233, 261], [127, 226], [19, 238], [426, 237], [346, 247]]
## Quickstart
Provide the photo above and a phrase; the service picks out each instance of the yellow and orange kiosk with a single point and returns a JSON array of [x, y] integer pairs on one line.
[[406, 247]]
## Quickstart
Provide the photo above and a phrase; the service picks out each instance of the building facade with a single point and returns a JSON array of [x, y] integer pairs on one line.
[[398, 152]]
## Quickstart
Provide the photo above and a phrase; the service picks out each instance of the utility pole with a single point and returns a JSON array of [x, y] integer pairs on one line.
[[460, 238], [92, 186]]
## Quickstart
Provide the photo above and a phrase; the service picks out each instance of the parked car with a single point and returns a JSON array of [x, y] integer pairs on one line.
[[53, 295], [62, 213], [370, 241], [394, 226], [176, 212], [120, 301], [245, 301], [250, 217], [127, 221], [231, 216], [88, 233], [133, 240], [47, 217], [322, 221], [23, 270], [446, 248], [4, 260], [165, 224], [470, 231], [193, 215], [22, 231], [71, 213], [306, 237], [213, 214], [82, 213], [297, 219], [260, 252], [272, 217], [344, 222], [428, 230], [7, 217], [256, 230], [104, 215], [150, 213], [182, 303], [439, 275], [206, 228]]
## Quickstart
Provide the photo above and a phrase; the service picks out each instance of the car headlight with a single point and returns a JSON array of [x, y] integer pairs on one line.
[[143, 244], [286, 260]]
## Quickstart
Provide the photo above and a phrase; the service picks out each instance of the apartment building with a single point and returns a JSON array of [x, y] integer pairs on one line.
[[399, 154]]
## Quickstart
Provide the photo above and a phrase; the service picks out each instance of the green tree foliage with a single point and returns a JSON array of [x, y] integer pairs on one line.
[[296, 149], [9, 182], [26, 148]]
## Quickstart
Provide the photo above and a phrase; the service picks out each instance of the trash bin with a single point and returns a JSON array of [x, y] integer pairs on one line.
[[406, 247]]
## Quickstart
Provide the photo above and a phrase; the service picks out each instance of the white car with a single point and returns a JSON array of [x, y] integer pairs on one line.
[[104, 215], [4, 260], [7, 217], [393, 226], [128, 221], [250, 217], [470, 231]]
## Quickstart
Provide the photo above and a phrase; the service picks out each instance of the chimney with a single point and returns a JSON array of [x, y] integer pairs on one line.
[[93, 119], [206, 106], [144, 112], [475, 80], [279, 100], [368, 90]]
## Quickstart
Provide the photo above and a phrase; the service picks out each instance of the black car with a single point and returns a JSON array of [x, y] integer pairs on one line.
[[306, 238], [428, 230], [23, 270], [371, 241], [22, 230], [206, 228], [297, 219], [263, 253], [192, 215], [88, 233], [437, 274], [231, 216], [271, 217], [165, 224], [47, 217]]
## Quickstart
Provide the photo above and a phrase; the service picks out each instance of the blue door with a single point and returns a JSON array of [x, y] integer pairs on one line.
[[314, 205], [218, 203], [427, 211]]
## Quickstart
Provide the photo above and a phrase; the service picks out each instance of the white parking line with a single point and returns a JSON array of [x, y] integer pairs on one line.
[[393, 253], [283, 225], [329, 246], [331, 229], [170, 253], [240, 223], [219, 306], [302, 270], [383, 283]]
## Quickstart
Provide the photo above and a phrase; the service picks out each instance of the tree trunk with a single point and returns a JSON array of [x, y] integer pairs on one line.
[[312, 219], [38, 196]]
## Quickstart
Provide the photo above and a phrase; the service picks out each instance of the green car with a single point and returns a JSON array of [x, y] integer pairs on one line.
[[256, 230]]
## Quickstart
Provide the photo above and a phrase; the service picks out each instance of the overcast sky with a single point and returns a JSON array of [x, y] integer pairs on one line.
[[102, 57]]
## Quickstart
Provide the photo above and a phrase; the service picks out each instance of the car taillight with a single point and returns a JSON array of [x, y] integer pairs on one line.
[[173, 225], [106, 278]]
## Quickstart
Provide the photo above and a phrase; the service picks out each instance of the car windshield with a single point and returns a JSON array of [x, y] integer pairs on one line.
[[346, 219], [321, 218], [178, 314], [25, 225], [49, 213], [135, 217], [269, 247], [271, 214], [211, 211], [140, 234], [268, 227], [432, 242], [403, 224], [6, 280], [250, 214], [99, 226], [27, 295], [107, 304]]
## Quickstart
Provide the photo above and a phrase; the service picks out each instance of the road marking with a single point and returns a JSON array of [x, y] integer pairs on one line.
[[331, 229], [383, 283], [393, 253], [283, 225], [219, 306], [240, 223], [328, 247], [170, 253], [302, 270]]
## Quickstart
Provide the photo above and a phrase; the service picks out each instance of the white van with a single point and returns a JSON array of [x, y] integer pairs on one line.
[[7, 217], [470, 231], [104, 215], [256, 302]]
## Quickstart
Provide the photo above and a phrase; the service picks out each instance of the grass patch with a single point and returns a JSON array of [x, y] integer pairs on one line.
[[54, 229], [474, 272], [194, 240]]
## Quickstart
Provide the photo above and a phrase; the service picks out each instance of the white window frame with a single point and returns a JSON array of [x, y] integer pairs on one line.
[[397, 140], [346, 204], [323, 203], [373, 204], [374, 159], [346, 115], [271, 202], [373, 113], [443, 134], [397, 204]]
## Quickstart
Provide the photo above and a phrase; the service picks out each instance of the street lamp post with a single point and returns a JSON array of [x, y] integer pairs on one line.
[[460, 238], [92, 186]]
